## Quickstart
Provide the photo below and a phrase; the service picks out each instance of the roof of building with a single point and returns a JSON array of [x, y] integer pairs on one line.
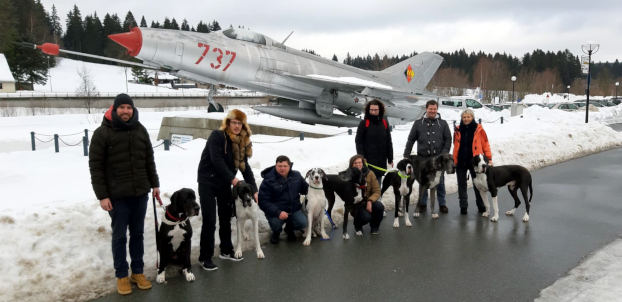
[[5, 72]]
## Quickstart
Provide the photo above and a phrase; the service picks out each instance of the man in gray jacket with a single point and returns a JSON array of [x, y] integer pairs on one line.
[[433, 138]]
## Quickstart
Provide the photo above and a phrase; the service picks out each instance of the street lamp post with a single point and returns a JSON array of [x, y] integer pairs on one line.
[[617, 84], [513, 78], [589, 49], [568, 92]]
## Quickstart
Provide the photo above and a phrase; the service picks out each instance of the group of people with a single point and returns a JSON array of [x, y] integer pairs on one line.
[[123, 173]]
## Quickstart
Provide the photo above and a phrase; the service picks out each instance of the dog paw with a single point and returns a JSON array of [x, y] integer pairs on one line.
[[485, 214], [359, 233], [346, 236], [494, 218], [260, 254], [189, 275], [407, 222], [325, 236], [434, 215], [510, 212], [396, 223], [307, 242], [416, 214], [526, 217], [161, 277], [238, 254]]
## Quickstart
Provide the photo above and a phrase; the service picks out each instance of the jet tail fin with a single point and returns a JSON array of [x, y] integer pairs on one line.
[[412, 74]]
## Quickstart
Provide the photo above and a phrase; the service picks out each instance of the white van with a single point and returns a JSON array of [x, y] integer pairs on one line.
[[460, 102]]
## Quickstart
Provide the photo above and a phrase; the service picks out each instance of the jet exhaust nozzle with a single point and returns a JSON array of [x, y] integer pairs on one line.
[[132, 40]]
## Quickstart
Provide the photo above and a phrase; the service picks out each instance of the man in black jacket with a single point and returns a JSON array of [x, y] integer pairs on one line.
[[279, 198], [226, 151], [123, 172], [433, 138], [373, 139]]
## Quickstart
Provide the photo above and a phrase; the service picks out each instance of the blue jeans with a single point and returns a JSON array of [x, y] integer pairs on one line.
[[128, 213], [295, 221], [440, 193]]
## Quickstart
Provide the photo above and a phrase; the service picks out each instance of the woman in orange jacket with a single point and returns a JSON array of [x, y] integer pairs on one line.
[[469, 140]]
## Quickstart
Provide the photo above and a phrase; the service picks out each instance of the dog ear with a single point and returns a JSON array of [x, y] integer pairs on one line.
[[346, 175], [323, 175], [308, 173], [174, 197]]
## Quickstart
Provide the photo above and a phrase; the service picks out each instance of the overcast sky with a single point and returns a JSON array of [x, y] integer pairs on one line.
[[396, 27]]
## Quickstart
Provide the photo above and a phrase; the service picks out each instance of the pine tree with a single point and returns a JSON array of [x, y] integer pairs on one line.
[[93, 39], [202, 27], [143, 22], [185, 26], [155, 24], [335, 58], [167, 23], [129, 22], [174, 24], [57, 30], [75, 30], [215, 26]]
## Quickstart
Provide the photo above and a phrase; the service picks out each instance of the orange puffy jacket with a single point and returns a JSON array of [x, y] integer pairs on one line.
[[480, 143]]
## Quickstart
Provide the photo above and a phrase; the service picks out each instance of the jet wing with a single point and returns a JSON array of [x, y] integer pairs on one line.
[[345, 84]]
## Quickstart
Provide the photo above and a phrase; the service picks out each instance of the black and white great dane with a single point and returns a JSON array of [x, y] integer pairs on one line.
[[350, 187], [246, 209], [175, 233], [489, 178], [428, 171], [402, 182]]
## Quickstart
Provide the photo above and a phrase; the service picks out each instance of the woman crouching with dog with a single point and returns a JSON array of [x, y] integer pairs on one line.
[[226, 151], [470, 140], [370, 210]]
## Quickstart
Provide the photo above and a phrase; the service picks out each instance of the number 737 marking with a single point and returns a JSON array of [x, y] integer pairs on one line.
[[218, 58]]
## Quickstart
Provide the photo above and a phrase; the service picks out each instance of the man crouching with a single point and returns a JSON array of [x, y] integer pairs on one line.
[[279, 198]]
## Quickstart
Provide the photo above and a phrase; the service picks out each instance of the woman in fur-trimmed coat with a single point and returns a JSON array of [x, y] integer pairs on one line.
[[226, 151]]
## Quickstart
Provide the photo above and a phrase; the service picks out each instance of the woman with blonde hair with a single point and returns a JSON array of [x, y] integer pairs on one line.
[[470, 140]]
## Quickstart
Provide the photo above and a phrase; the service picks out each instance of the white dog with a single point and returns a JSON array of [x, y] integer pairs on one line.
[[316, 204], [246, 208]]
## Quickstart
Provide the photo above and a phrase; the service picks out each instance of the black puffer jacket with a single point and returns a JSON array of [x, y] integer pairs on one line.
[[373, 140], [216, 166], [432, 136], [121, 158]]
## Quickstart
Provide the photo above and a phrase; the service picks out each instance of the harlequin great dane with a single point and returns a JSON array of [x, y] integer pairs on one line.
[[350, 187], [428, 171], [489, 178], [246, 209], [315, 204], [402, 182], [175, 233]]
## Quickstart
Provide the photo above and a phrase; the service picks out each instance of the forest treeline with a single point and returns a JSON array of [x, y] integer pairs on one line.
[[536, 72]]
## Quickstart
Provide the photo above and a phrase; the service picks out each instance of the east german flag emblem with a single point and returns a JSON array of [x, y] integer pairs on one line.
[[409, 73]]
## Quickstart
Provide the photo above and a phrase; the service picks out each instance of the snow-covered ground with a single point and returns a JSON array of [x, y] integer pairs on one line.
[[57, 239]]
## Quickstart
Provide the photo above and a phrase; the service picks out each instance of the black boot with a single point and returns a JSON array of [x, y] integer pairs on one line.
[[274, 238]]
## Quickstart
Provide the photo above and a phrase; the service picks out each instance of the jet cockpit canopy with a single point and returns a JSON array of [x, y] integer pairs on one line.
[[244, 35]]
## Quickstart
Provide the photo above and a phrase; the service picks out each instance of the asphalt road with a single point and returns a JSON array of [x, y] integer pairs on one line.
[[576, 210]]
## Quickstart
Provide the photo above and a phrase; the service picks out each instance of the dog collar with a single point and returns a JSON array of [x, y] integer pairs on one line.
[[317, 188], [169, 219]]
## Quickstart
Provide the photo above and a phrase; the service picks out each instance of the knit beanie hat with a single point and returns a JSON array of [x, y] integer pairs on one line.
[[121, 99]]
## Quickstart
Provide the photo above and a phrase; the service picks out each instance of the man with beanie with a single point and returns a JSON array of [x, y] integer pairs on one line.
[[123, 172]]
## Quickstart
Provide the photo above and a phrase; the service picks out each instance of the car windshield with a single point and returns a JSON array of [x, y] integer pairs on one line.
[[245, 35], [473, 104]]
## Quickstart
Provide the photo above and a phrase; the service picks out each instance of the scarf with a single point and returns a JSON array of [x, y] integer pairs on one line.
[[242, 147]]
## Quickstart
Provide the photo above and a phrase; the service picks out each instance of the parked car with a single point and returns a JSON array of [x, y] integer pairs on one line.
[[566, 106], [494, 107], [616, 101], [458, 102]]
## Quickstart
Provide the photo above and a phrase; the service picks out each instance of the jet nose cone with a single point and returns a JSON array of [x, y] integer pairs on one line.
[[132, 40]]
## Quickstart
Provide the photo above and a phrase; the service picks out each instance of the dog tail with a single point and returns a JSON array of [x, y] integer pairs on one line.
[[530, 192]]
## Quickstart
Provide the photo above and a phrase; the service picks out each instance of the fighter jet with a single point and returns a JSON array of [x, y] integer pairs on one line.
[[241, 58]]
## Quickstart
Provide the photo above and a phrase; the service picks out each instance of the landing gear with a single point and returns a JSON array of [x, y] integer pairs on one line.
[[213, 106]]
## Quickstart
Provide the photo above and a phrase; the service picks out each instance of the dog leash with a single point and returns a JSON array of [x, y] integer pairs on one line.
[[388, 171], [155, 220], [333, 226]]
